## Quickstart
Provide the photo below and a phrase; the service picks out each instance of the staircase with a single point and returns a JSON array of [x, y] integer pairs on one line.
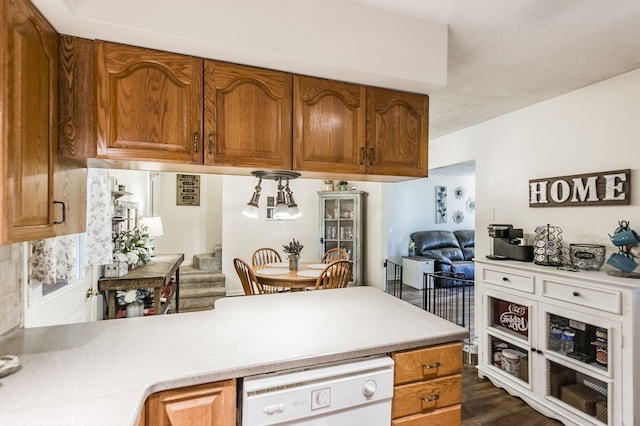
[[203, 283]]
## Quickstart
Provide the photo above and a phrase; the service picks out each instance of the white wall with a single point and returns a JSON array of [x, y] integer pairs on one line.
[[242, 235], [590, 130], [187, 229], [411, 208]]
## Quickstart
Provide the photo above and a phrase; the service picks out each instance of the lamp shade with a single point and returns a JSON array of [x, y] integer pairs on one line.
[[154, 226]]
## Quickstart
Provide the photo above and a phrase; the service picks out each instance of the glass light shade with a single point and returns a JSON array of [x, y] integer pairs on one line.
[[154, 226], [294, 212], [251, 211], [281, 211]]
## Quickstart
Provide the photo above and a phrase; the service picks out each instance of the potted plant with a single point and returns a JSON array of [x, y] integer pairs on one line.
[[294, 248], [132, 300]]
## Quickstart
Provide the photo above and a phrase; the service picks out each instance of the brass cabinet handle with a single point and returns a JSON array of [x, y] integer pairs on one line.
[[64, 213], [435, 397], [210, 143], [373, 156], [195, 141], [434, 365], [363, 155]]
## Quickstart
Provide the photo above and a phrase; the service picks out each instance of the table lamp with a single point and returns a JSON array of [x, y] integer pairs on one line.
[[154, 229]]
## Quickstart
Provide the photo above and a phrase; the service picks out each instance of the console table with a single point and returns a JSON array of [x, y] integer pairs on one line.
[[155, 274]]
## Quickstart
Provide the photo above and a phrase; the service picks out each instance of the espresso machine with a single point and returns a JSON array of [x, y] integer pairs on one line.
[[507, 243]]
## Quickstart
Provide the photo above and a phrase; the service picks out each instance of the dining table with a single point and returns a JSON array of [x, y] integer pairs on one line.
[[278, 274]]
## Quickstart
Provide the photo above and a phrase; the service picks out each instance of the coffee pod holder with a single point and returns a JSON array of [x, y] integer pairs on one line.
[[547, 249], [630, 251]]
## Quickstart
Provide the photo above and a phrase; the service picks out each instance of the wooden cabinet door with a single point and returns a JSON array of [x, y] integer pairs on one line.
[[149, 105], [329, 126], [28, 122], [212, 404], [247, 116], [397, 133]]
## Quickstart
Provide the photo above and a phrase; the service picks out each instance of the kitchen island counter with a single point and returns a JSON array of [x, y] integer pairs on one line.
[[101, 373]]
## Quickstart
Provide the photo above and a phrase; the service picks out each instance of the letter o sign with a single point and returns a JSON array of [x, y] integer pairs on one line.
[[560, 191]]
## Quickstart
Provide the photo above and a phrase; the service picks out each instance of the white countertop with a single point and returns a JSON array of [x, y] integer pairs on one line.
[[100, 373]]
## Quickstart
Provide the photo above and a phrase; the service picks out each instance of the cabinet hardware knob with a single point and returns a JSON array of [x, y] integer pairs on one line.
[[505, 279], [435, 397], [195, 141], [576, 294], [540, 351], [64, 213], [434, 365], [534, 350], [210, 143]]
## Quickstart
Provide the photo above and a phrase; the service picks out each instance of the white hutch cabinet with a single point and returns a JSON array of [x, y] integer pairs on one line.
[[565, 342], [341, 225]]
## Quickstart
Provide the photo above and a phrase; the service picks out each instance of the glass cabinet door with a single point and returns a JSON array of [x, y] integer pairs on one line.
[[510, 316], [339, 224], [510, 358]]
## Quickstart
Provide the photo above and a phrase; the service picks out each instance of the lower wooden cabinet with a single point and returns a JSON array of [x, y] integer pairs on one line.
[[428, 386], [211, 404]]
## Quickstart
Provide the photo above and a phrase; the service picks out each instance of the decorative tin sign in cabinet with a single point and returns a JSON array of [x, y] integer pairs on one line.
[[511, 316]]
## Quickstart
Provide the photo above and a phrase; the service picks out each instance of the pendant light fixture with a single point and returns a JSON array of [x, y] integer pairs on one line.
[[286, 207]]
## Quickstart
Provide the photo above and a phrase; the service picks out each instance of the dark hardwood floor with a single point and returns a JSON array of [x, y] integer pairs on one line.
[[483, 404]]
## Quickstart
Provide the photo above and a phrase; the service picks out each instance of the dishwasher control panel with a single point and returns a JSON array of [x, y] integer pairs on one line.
[[354, 389]]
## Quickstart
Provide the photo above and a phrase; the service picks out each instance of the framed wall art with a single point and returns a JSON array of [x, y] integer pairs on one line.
[[441, 204]]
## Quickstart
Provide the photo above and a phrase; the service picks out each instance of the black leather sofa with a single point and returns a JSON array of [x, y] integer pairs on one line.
[[453, 251]]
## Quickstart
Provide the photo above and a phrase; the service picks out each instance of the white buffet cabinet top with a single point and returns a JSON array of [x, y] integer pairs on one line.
[[101, 373]]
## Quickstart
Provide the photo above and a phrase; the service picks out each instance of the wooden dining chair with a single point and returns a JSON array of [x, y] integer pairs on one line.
[[334, 254], [265, 255], [250, 283], [336, 275]]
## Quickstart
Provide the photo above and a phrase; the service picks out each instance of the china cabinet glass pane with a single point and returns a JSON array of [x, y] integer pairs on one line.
[[508, 357], [578, 340], [583, 392], [509, 317]]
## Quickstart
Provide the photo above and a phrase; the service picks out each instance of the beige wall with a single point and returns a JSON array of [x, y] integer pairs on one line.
[[10, 287]]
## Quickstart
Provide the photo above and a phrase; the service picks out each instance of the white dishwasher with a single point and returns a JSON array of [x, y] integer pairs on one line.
[[354, 392]]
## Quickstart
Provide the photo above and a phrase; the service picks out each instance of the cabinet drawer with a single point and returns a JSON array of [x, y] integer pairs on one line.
[[449, 416], [426, 397], [604, 300], [522, 282], [428, 363]]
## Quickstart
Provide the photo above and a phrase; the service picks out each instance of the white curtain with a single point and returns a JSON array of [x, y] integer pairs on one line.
[[99, 245], [53, 259]]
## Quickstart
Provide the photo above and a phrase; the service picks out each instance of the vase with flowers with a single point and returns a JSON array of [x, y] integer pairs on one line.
[[294, 248], [133, 301], [131, 246]]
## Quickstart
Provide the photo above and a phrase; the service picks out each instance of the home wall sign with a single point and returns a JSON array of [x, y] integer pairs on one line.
[[188, 190], [591, 189]]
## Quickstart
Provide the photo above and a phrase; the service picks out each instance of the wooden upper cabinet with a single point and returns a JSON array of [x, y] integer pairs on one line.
[[149, 105], [28, 123], [329, 126], [397, 133], [247, 118]]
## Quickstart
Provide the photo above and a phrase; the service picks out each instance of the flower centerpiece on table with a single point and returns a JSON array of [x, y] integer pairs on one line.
[[294, 248], [131, 246]]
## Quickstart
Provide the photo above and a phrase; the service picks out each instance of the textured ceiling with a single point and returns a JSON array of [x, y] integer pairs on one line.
[[505, 55]]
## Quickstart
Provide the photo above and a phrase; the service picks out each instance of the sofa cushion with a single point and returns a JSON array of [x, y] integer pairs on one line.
[[467, 241]]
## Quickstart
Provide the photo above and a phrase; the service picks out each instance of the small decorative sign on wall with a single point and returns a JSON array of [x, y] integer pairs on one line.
[[591, 189], [188, 190]]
